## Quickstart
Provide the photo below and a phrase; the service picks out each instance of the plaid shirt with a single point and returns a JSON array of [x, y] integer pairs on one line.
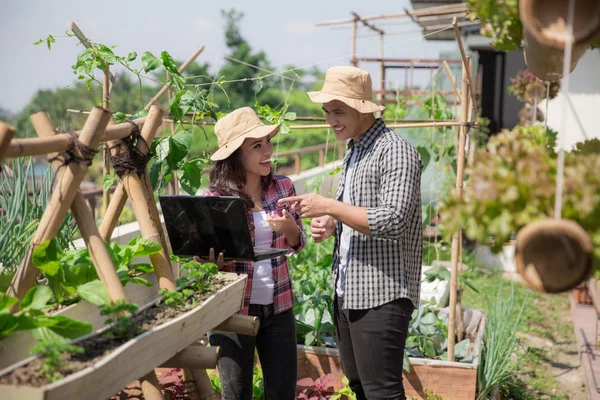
[[387, 179], [283, 297]]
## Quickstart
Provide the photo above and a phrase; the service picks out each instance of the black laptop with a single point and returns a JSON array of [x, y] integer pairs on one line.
[[197, 223]]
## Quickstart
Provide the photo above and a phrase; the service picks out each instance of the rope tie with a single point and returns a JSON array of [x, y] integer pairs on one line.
[[128, 157]]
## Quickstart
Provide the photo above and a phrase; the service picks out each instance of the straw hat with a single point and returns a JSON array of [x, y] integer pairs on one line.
[[554, 255], [237, 126], [350, 85]]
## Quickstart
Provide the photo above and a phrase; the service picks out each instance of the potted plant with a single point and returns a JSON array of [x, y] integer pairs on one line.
[[513, 182]]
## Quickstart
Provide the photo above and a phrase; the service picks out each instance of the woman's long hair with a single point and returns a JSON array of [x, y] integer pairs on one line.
[[228, 177]]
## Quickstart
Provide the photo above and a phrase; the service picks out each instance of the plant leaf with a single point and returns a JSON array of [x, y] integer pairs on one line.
[[36, 298], [150, 62], [95, 292]]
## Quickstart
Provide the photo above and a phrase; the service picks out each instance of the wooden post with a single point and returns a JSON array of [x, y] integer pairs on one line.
[[6, 134], [85, 221], [143, 204], [353, 57], [60, 201], [321, 157], [460, 165]]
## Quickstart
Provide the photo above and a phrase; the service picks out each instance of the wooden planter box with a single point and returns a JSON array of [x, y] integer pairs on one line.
[[16, 347], [450, 380], [138, 356]]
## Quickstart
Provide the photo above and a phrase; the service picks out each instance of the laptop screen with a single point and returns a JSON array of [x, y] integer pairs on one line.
[[197, 223]]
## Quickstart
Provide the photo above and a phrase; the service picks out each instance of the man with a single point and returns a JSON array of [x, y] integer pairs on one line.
[[376, 219]]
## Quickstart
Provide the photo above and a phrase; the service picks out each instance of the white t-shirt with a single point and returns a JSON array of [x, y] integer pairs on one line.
[[346, 230], [262, 281]]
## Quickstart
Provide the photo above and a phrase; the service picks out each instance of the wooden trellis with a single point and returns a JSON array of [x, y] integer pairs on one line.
[[135, 185]]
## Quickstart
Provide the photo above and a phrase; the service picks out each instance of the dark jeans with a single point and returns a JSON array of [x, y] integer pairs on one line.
[[276, 346], [371, 345]]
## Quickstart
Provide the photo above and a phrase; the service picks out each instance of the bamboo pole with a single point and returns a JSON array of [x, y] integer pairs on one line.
[[85, 221], [151, 387], [242, 324], [194, 357], [106, 89], [401, 125], [115, 207], [182, 68], [60, 201], [62, 142], [466, 63], [143, 204], [174, 182], [6, 134], [460, 165], [353, 57], [203, 385]]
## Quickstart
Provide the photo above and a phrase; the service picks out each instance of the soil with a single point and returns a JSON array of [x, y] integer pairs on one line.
[[97, 347]]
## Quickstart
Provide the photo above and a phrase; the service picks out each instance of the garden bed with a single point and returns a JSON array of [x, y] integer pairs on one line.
[[15, 347], [99, 375], [450, 380]]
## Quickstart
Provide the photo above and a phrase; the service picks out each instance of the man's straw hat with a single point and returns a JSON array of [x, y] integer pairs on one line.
[[237, 126], [350, 85]]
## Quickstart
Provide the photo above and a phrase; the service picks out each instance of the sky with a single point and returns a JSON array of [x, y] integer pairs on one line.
[[284, 30]]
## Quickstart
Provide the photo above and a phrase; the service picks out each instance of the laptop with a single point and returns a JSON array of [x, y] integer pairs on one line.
[[197, 223]]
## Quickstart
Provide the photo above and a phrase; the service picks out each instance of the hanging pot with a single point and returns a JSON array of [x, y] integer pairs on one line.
[[545, 33], [554, 255]]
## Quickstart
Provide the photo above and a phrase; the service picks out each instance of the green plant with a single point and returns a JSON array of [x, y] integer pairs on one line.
[[310, 272], [23, 198], [71, 275], [513, 183], [123, 326], [54, 355], [427, 334], [345, 391], [31, 316], [499, 343], [499, 20]]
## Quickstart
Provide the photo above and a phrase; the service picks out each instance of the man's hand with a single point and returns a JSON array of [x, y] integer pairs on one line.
[[322, 228], [308, 205], [225, 266]]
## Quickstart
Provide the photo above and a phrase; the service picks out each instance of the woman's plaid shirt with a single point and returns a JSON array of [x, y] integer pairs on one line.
[[283, 297], [387, 182]]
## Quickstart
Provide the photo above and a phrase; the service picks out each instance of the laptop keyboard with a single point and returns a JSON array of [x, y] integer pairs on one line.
[[258, 251]]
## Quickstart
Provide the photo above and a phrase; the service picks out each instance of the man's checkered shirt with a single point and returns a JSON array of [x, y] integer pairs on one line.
[[387, 182]]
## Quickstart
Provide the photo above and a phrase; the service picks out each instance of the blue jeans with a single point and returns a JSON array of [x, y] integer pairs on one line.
[[276, 346]]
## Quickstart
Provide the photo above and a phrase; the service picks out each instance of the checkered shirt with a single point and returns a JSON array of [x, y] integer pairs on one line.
[[387, 179], [283, 297]]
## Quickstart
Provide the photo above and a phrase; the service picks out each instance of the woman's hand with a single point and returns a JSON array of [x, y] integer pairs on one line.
[[321, 228], [284, 224], [225, 266]]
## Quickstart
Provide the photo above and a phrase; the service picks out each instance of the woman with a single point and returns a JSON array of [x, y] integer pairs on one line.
[[243, 168]]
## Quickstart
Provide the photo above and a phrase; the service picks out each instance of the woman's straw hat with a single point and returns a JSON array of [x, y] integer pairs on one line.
[[350, 85], [237, 126]]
